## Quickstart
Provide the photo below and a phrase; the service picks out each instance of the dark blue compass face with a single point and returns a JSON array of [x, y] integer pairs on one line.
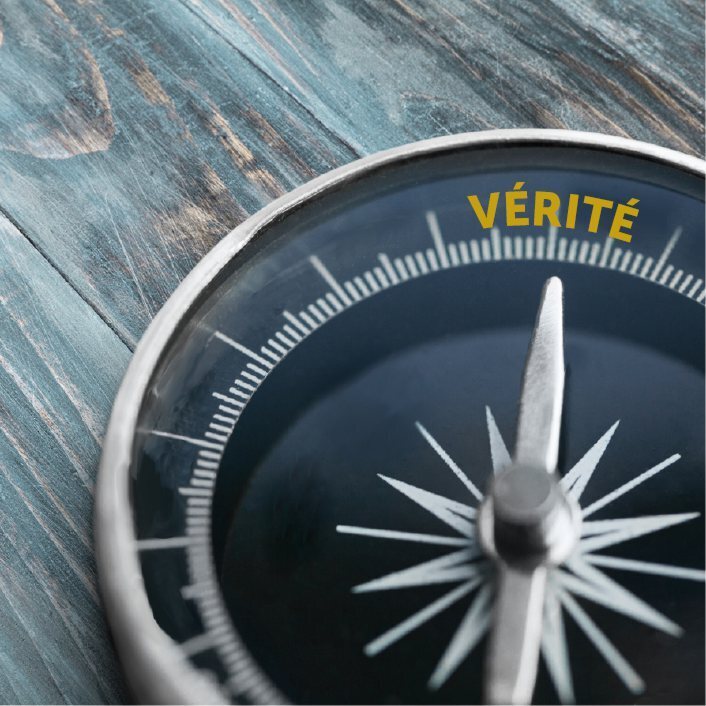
[[320, 434]]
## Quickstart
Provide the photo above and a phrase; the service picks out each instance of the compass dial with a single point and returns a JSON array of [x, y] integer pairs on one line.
[[292, 484]]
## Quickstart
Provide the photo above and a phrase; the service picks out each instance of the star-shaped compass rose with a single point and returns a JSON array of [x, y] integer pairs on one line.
[[466, 564]]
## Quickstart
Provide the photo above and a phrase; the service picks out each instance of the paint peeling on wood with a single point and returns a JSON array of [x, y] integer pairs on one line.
[[133, 136], [152, 90], [54, 85], [59, 369], [242, 156]]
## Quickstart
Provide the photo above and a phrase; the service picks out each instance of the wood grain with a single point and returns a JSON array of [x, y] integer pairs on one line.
[[135, 134], [126, 223], [59, 369]]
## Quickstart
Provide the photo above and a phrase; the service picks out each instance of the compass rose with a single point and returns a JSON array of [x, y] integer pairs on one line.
[[464, 561]]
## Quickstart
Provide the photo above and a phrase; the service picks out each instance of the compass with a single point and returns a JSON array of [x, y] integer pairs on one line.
[[429, 429]]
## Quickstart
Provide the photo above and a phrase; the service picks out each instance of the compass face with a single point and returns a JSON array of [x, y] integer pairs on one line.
[[293, 472]]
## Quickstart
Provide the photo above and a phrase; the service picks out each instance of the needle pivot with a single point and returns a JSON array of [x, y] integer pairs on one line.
[[533, 521]]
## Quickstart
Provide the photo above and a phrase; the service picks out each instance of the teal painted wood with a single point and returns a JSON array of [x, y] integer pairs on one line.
[[60, 367], [135, 134], [381, 73], [126, 171]]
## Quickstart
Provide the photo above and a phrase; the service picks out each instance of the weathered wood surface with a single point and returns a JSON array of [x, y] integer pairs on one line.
[[135, 134]]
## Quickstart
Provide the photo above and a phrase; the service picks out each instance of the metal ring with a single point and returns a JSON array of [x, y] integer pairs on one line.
[[158, 671]]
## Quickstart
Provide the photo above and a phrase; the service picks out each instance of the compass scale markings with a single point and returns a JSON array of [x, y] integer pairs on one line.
[[495, 240], [561, 252], [475, 251], [222, 438], [636, 263], [529, 247], [605, 252], [303, 330], [519, 248], [401, 269], [463, 252], [287, 341], [485, 250], [229, 410], [507, 247], [666, 274], [685, 283], [381, 277], [435, 230], [615, 258], [188, 439], [389, 269], [583, 251], [572, 252], [228, 400], [540, 247], [646, 267], [243, 349], [454, 255], [331, 305], [592, 257], [351, 289], [662, 259], [432, 260], [551, 242], [330, 279]]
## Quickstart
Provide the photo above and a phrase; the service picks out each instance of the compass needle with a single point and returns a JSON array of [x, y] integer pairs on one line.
[[333, 472], [542, 396], [527, 519]]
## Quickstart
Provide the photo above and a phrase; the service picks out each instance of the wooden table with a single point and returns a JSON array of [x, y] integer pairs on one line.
[[135, 134]]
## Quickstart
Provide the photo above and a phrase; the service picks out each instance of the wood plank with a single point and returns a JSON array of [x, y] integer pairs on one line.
[[59, 369], [119, 162], [175, 125], [379, 74], [133, 135]]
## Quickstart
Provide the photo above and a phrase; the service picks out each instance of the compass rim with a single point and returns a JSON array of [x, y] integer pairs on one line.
[[155, 668]]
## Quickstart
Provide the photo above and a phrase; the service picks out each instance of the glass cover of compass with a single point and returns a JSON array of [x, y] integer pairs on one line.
[[378, 449]]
